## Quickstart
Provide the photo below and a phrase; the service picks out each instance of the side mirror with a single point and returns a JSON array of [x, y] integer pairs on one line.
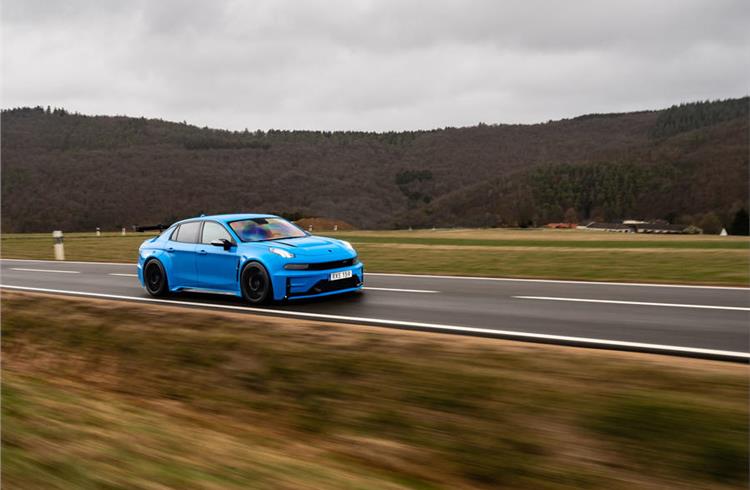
[[223, 242]]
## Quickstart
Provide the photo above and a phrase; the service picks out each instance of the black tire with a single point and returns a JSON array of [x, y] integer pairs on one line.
[[155, 278], [256, 284]]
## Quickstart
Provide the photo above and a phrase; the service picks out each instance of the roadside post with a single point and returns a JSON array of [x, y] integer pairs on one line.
[[309, 228], [59, 247], [98, 231], [335, 227], [123, 231]]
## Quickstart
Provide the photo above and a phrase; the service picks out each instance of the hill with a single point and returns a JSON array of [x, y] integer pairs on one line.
[[77, 172]]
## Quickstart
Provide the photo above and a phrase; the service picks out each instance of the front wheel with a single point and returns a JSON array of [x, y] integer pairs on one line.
[[256, 284], [155, 279]]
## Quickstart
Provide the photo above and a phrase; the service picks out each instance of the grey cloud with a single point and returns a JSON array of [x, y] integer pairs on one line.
[[375, 65]]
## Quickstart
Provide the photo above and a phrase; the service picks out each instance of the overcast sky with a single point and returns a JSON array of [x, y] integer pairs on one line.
[[370, 65]]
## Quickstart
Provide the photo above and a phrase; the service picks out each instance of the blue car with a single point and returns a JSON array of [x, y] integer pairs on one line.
[[259, 257]]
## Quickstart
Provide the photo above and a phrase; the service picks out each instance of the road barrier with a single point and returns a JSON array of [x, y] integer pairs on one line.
[[59, 247]]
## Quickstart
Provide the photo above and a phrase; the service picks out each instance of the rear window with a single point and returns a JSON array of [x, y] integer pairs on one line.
[[187, 232]]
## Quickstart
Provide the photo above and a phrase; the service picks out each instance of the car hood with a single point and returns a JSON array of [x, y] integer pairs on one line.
[[311, 246]]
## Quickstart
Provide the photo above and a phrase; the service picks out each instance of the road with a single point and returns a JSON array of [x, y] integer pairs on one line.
[[699, 321]]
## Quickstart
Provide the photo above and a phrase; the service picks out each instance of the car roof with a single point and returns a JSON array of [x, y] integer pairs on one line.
[[226, 218]]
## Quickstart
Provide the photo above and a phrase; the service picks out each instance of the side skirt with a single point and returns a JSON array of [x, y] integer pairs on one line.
[[209, 291]]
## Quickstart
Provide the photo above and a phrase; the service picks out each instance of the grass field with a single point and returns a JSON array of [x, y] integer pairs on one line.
[[120, 395], [557, 254]]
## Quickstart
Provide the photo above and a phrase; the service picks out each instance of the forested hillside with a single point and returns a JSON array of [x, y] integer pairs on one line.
[[74, 172]]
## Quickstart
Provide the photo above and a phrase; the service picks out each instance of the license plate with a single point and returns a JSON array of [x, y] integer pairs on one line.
[[335, 276]]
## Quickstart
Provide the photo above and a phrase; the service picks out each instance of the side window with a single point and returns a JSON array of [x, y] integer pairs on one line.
[[187, 232], [214, 231], [169, 232], [174, 234]]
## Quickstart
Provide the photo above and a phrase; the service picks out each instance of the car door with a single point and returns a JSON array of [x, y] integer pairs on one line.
[[181, 250], [216, 266]]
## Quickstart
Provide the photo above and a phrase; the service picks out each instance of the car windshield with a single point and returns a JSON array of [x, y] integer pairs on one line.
[[260, 229]]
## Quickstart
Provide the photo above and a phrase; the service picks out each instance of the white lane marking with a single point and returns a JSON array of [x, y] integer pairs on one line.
[[399, 323], [635, 303], [122, 275], [130, 264], [401, 290], [43, 270], [466, 278]]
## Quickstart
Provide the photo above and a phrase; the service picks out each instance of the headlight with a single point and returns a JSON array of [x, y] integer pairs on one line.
[[347, 245], [281, 252]]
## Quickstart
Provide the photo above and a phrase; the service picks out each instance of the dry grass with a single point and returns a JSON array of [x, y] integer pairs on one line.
[[119, 395]]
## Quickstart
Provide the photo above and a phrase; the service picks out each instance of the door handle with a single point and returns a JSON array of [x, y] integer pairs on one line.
[[202, 252], [170, 250]]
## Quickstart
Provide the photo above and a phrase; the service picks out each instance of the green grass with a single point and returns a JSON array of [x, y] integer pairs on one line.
[[679, 266], [619, 244], [120, 395], [109, 247], [550, 254]]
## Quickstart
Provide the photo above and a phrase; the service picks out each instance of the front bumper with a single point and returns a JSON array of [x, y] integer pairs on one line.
[[141, 279], [290, 284]]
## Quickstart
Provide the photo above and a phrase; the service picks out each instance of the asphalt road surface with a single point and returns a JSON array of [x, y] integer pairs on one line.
[[701, 321]]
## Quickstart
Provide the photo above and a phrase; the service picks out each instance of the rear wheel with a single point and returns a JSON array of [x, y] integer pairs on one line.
[[256, 284], [155, 279]]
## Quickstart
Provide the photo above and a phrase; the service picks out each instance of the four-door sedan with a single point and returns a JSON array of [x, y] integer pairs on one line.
[[256, 256]]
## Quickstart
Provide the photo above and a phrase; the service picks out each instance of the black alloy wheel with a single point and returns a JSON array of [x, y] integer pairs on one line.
[[256, 284], [156, 279]]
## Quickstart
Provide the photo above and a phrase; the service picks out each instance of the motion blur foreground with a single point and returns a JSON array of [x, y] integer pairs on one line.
[[259, 257]]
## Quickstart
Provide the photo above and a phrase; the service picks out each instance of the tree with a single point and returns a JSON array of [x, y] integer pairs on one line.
[[741, 223], [99, 171], [597, 214], [710, 223], [571, 216], [684, 219]]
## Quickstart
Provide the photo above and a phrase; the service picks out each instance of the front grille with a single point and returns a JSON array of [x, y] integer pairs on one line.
[[321, 266], [326, 286]]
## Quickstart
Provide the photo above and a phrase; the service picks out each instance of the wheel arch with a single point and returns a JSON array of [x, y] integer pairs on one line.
[[151, 263], [245, 262], [163, 258], [159, 256]]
